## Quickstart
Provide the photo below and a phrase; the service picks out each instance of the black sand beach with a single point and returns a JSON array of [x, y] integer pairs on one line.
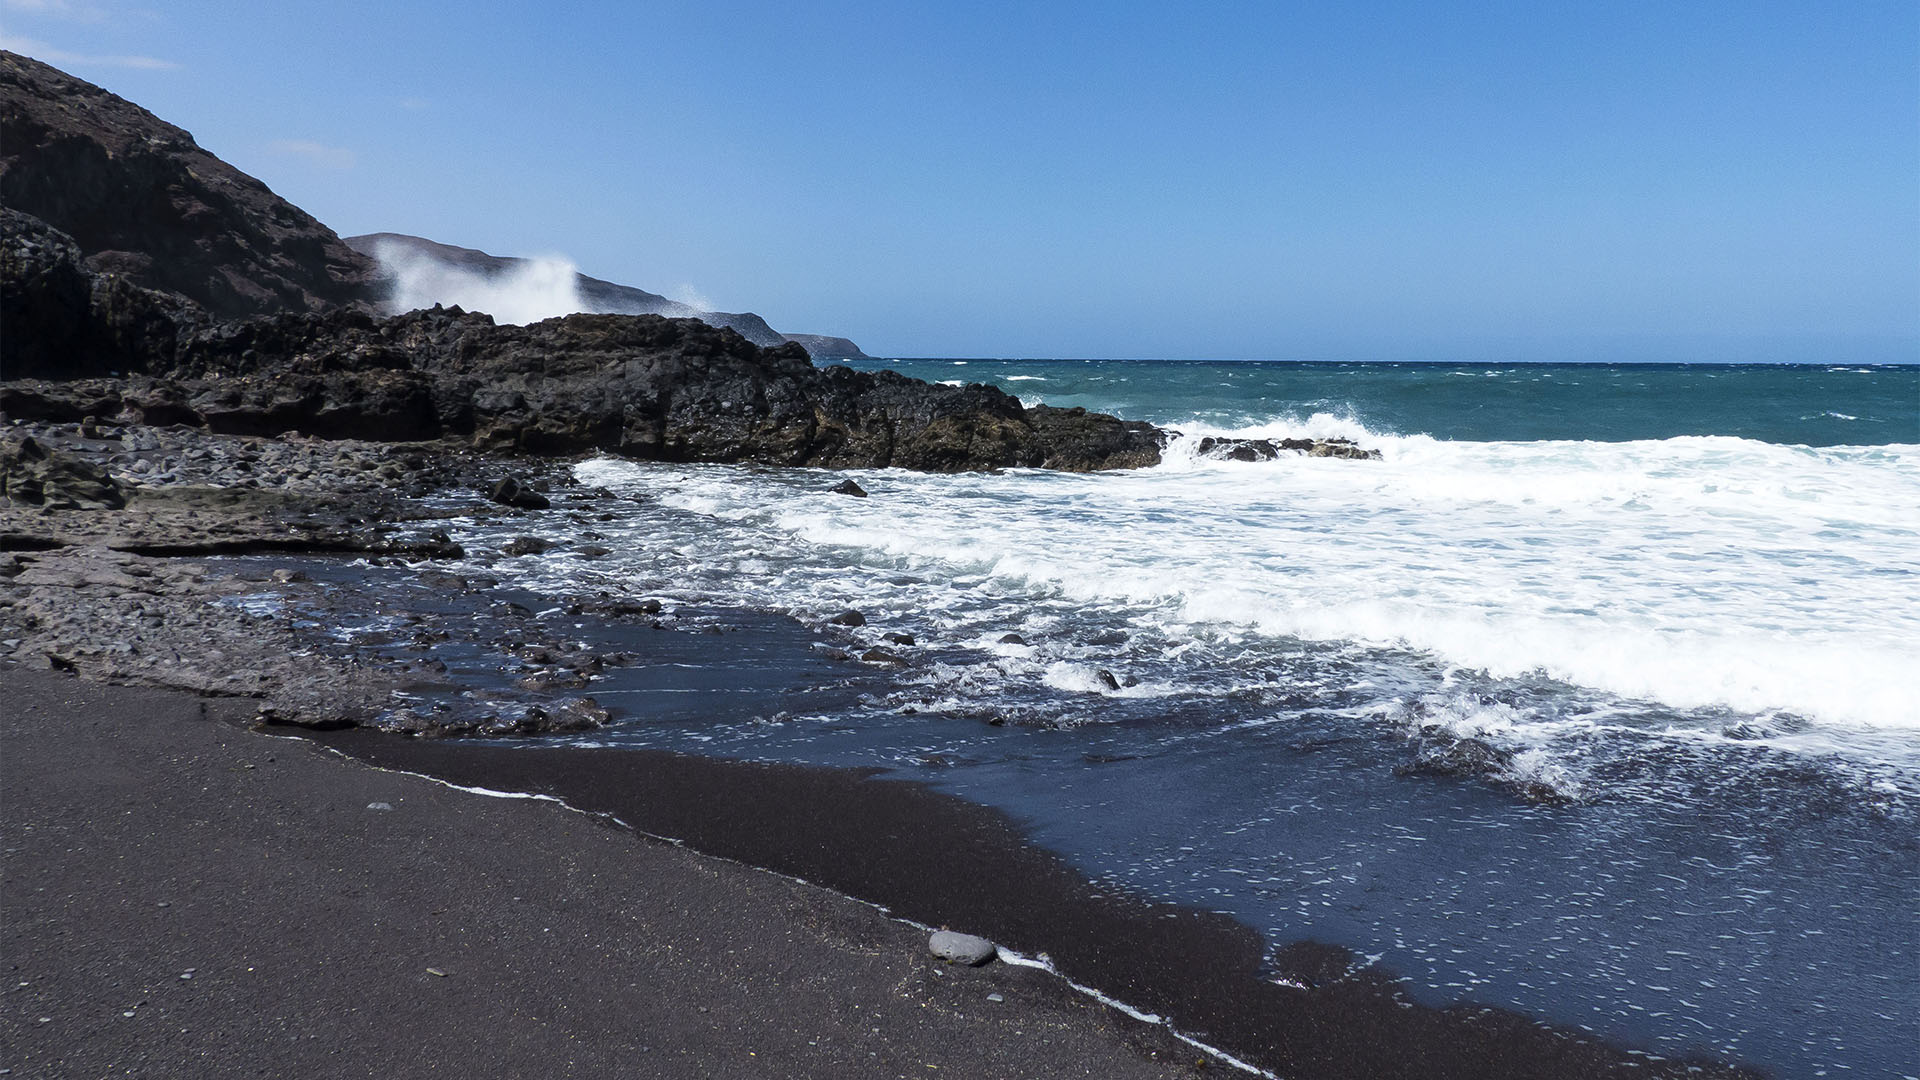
[[149, 838], [312, 901]]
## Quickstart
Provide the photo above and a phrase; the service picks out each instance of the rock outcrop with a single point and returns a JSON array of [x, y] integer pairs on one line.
[[144, 203], [640, 385], [1269, 449]]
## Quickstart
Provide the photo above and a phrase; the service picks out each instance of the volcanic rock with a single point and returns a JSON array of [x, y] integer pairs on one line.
[[147, 205], [961, 948], [32, 475], [527, 545], [1269, 449], [513, 491]]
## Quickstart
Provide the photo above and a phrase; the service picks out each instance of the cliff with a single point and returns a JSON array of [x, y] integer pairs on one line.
[[141, 201]]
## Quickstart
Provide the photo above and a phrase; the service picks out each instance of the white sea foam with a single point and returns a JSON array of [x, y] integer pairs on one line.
[[534, 289], [1693, 572]]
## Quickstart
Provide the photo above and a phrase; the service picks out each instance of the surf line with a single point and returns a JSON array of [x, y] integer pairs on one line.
[[1006, 955]]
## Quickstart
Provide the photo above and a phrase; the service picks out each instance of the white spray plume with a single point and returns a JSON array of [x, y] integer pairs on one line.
[[534, 289], [693, 298]]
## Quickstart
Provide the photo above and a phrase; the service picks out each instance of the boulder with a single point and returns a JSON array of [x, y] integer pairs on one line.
[[964, 949], [527, 545], [513, 491], [32, 475]]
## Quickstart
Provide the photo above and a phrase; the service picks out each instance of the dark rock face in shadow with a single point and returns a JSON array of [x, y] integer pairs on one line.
[[145, 204], [639, 385]]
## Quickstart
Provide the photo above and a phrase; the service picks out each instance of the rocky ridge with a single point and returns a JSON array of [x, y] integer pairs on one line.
[[146, 205]]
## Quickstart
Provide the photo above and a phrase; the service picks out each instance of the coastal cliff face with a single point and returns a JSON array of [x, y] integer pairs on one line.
[[128, 251], [143, 202]]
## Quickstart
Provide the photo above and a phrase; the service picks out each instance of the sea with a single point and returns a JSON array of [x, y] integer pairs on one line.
[[1597, 697]]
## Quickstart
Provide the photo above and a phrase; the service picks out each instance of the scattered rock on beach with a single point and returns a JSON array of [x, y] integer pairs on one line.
[[961, 948], [849, 618], [527, 545], [33, 475], [513, 491]]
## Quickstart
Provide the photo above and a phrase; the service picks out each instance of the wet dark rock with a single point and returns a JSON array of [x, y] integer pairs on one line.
[[849, 618], [1012, 639], [552, 680], [848, 487], [1269, 449], [1477, 759], [513, 491], [631, 607], [564, 715], [1107, 679], [1456, 757], [897, 638], [527, 545], [592, 551], [882, 656]]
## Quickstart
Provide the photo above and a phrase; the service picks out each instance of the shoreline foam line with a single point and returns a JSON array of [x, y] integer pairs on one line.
[[1008, 956]]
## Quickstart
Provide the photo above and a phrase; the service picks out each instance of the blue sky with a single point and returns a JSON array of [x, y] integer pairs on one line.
[[1547, 181]]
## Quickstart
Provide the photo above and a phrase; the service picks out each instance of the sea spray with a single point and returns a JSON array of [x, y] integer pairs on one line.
[[532, 289]]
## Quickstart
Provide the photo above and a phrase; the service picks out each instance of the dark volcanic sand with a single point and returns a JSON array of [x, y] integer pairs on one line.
[[943, 861], [147, 838]]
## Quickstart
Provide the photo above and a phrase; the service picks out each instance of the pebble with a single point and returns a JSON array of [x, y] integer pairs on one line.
[[995, 997], [961, 948], [379, 806]]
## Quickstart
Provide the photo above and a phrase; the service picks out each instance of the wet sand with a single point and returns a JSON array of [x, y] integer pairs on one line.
[[149, 837]]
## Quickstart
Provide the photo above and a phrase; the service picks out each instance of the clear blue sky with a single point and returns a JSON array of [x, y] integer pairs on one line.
[[1553, 181]]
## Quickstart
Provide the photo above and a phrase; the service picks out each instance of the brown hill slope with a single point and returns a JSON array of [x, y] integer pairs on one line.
[[143, 201]]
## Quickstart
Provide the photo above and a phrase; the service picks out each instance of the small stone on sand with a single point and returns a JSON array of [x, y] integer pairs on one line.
[[961, 948]]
